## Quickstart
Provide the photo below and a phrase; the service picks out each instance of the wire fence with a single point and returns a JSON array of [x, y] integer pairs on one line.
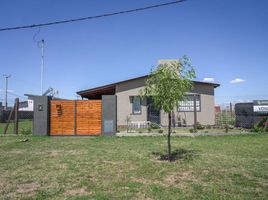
[[16, 119], [239, 115], [232, 115]]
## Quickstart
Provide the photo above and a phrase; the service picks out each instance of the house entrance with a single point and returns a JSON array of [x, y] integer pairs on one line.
[[153, 114]]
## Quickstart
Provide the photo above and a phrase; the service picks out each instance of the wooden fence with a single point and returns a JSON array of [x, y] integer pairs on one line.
[[75, 117]]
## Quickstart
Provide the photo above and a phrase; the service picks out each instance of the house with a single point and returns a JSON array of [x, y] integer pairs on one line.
[[217, 109], [129, 103], [26, 105]]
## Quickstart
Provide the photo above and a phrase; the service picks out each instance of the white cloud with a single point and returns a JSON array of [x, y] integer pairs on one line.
[[208, 79], [3, 90], [237, 80]]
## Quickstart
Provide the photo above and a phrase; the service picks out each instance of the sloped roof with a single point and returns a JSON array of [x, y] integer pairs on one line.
[[110, 88]]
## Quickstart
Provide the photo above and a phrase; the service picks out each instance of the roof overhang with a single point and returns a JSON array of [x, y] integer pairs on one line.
[[97, 92]]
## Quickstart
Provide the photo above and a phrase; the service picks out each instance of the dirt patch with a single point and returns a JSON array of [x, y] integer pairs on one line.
[[142, 196], [55, 153], [77, 192], [147, 181], [17, 151], [180, 180], [2, 183], [28, 188]]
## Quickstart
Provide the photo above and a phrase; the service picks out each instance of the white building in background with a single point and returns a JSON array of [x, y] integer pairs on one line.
[[26, 105]]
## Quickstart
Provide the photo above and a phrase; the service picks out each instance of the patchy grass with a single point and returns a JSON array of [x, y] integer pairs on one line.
[[24, 124], [229, 167]]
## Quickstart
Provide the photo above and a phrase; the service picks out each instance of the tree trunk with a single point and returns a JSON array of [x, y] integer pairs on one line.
[[169, 133]]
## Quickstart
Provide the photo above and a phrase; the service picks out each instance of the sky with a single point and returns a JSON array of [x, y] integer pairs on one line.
[[227, 42]]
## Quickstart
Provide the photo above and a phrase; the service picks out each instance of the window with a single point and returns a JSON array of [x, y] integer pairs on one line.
[[136, 105], [188, 104]]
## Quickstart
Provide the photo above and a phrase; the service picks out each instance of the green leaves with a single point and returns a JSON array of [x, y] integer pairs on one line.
[[168, 83]]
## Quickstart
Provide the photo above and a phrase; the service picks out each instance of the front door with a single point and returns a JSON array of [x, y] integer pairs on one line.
[[153, 114]]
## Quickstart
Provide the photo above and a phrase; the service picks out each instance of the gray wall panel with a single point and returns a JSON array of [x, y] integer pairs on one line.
[[41, 115], [109, 123]]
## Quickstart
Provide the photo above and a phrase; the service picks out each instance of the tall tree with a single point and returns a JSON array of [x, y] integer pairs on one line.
[[167, 84]]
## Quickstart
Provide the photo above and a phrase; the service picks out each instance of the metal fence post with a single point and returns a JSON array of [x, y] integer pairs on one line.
[[195, 114]]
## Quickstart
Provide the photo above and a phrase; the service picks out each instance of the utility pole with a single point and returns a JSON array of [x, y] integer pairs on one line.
[[6, 77], [42, 64]]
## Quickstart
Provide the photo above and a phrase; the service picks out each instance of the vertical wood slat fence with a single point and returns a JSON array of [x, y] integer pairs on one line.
[[75, 117]]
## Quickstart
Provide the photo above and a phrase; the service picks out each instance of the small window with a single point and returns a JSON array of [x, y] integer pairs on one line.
[[136, 105], [188, 104]]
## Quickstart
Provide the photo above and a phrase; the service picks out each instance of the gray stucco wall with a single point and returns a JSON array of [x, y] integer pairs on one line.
[[109, 115], [41, 115], [207, 114], [132, 88], [124, 106]]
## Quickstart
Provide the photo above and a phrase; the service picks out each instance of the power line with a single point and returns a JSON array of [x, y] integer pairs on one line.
[[16, 95], [92, 17]]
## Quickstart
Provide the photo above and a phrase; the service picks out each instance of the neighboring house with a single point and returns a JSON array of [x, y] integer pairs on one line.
[[217, 109], [130, 104], [26, 105]]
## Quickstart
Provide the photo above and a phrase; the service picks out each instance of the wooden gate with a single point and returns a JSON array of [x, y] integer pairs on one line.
[[75, 117]]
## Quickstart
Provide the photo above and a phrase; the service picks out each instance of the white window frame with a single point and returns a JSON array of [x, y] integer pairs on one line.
[[136, 99], [188, 104]]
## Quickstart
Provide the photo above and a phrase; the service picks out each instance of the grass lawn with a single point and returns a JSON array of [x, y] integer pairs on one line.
[[22, 124], [229, 167]]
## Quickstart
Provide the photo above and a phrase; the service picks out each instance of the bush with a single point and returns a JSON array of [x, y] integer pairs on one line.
[[161, 131], [193, 130], [149, 129], [154, 126], [226, 127], [260, 126], [208, 126], [140, 131], [199, 126], [26, 131]]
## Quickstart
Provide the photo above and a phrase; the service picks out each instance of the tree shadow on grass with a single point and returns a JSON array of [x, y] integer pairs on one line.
[[180, 154]]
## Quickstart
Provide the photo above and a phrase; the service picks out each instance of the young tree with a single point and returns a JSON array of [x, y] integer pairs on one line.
[[167, 84]]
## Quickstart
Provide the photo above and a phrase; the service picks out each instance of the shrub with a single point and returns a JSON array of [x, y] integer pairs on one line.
[[26, 131], [161, 131], [154, 126], [149, 129], [226, 127], [208, 126], [257, 129], [199, 126], [261, 125], [193, 130], [140, 131]]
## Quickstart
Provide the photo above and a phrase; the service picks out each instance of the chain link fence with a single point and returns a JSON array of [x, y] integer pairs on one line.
[[16, 119], [233, 115], [238, 115]]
